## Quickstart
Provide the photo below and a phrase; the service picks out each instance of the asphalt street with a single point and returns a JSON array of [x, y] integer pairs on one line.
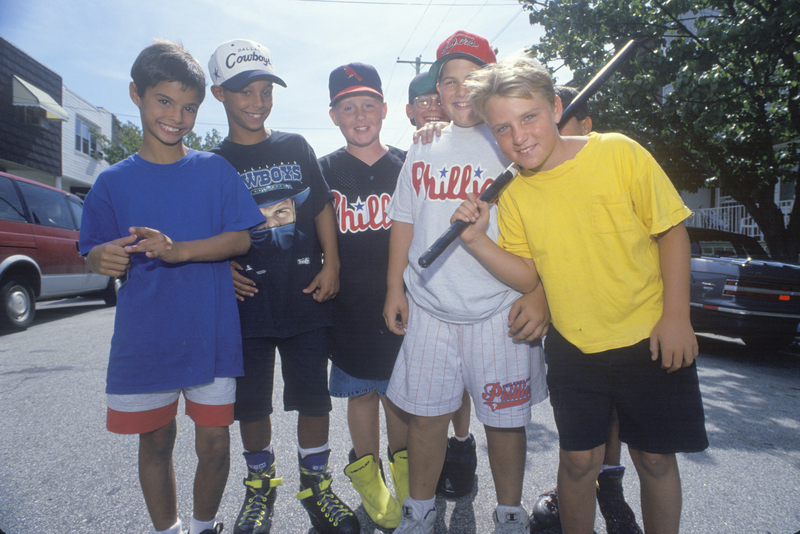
[[62, 472]]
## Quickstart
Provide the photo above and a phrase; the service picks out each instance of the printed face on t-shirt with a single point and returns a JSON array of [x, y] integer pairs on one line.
[[278, 214]]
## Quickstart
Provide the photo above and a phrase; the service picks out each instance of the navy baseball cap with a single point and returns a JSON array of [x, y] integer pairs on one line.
[[354, 78]]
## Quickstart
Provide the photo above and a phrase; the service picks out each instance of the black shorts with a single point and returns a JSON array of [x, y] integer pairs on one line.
[[304, 365], [659, 412]]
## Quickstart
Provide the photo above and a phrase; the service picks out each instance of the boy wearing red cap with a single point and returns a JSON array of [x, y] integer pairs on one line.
[[283, 288], [454, 315]]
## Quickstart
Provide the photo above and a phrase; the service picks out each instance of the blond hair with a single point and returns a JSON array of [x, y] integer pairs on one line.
[[517, 76]]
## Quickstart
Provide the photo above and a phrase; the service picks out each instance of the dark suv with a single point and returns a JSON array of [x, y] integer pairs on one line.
[[738, 291], [39, 260]]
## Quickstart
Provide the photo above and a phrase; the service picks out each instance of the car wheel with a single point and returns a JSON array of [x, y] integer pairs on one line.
[[769, 343], [19, 305]]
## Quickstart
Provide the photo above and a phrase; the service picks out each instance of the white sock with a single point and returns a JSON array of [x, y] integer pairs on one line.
[[420, 508], [502, 510], [174, 529], [316, 450], [465, 438], [196, 527]]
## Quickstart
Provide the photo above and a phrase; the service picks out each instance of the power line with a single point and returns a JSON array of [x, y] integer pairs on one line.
[[404, 3]]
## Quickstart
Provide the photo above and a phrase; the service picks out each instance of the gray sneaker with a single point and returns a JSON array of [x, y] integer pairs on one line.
[[514, 521], [410, 524]]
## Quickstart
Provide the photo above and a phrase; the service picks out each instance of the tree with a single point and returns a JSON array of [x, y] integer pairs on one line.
[[212, 139], [714, 92], [129, 140]]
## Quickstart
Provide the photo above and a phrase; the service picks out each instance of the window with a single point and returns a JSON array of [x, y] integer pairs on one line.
[[47, 207], [85, 140], [10, 205], [77, 210], [30, 116]]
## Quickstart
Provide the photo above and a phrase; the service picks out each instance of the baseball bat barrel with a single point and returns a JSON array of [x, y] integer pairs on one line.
[[595, 83], [491, 193]]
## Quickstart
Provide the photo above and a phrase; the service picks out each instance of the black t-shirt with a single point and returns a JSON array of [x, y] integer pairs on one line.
[[359, 342], [284, 177]]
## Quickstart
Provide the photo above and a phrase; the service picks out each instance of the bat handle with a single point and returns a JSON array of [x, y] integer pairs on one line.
[[439, 246]]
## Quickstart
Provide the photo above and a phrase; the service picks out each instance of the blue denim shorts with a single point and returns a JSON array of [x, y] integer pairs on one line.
[[343, 385]]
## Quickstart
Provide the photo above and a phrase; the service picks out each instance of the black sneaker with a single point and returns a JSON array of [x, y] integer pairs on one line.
[[619, 517], [545, 510], [458, 472], [255, 517], [216, 530], [328, 514]]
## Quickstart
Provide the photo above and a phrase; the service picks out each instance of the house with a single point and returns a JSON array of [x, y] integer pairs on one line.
[[47, 132]]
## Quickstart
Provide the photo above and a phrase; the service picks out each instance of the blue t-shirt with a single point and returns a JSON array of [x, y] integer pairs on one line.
[[177, 325]]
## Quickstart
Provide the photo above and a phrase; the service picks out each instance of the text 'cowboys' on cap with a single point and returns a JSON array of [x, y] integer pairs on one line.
[[463, 45], [354, 78], [235, 63]]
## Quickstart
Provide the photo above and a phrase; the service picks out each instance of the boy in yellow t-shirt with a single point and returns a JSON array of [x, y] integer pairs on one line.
[[600, 223]]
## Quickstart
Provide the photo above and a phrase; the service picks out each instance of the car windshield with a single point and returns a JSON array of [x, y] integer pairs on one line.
[[723, 248]]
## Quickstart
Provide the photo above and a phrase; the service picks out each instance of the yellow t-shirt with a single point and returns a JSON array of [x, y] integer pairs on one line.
[[589, 226]]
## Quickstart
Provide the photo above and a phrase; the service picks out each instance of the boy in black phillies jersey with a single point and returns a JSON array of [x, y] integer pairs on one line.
[[283, 288], [363, 175]]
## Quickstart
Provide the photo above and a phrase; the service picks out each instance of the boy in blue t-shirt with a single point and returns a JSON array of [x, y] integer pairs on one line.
[[170, 217]]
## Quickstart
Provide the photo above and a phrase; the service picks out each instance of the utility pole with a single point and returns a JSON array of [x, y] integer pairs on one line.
[[417, 63]]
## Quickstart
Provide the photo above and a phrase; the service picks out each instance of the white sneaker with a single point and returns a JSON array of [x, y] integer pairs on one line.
[[416, 525], [514, 521]]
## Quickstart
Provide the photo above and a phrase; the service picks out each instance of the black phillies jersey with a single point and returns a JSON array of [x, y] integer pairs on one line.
[[359, 342]]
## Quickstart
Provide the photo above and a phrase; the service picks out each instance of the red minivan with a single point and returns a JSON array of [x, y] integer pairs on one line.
[[39, 260]]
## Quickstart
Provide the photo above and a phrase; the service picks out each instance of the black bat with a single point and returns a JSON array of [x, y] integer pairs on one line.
[[493, 191]]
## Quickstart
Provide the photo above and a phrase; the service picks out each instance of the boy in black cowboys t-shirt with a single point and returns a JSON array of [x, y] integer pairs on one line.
[[282, 286]]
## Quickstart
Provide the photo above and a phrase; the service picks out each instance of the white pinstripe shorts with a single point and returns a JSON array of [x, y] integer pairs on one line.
[[438, 360]]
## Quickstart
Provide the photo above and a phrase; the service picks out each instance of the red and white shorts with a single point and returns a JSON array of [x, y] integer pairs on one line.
[[438, 360], [207, 404]]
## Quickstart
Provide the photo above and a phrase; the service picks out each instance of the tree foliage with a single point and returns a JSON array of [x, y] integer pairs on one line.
[[212, 139], [714, 92], [128, 139]]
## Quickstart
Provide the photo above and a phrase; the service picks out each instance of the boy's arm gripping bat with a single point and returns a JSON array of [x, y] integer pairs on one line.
[[493, 191]]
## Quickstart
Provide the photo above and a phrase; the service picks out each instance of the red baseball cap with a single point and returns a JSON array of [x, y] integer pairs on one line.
[[463, 45]]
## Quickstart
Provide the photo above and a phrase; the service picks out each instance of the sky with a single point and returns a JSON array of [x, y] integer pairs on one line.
[[92, 44]]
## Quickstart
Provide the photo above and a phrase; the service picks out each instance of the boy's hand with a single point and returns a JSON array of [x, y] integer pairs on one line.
[[529, 316], [110, 258], [676, 340], [426, 134], [243, 286], [395, 312], [325, 285], [476, 212], [154, 244]]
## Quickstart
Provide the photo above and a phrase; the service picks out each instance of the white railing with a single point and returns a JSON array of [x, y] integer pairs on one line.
[[734, 219]]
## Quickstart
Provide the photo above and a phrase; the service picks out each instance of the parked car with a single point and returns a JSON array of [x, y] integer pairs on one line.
[[39, 260], [738, 291]]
